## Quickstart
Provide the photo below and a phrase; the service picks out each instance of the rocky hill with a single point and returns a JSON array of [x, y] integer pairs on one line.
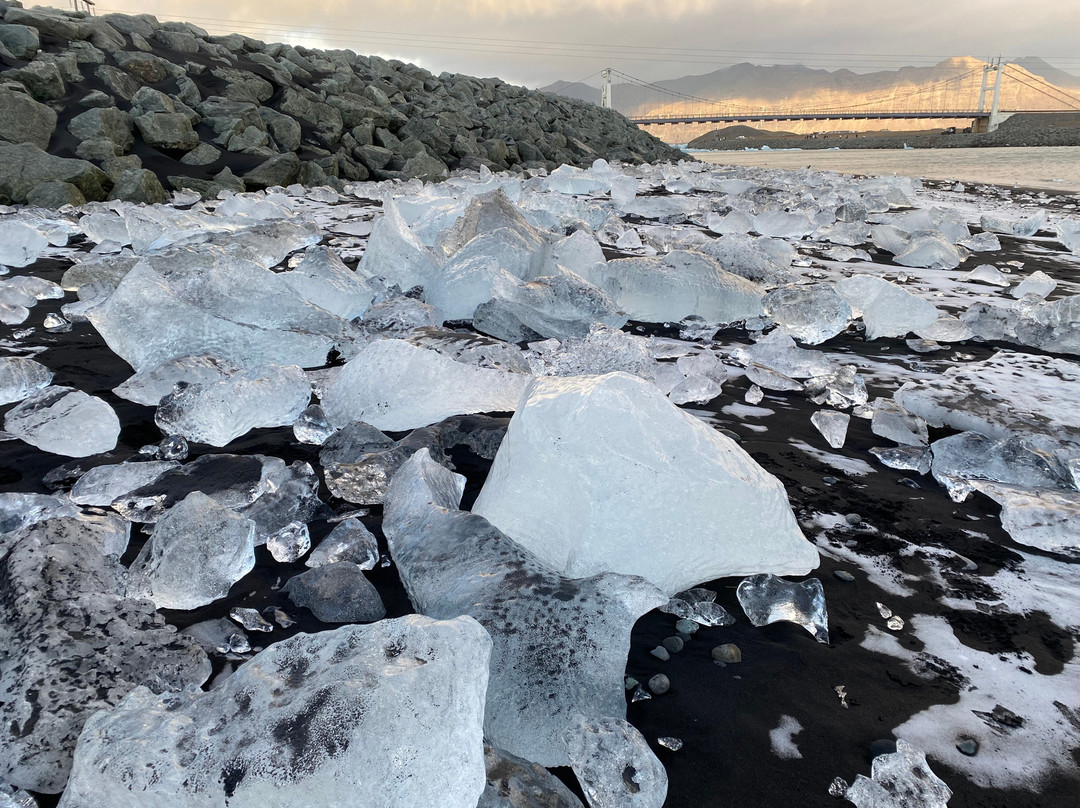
[[128, 107]]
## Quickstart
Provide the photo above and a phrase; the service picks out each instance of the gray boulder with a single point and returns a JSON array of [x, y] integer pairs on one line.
[[41, 79], [224, 180], [98, 149], [45, 20], [109, 123], [145, 66], [24, 120], [201, 155], [167, 130], [425, 167], [21, 40], [55, 195], [139, 185], [95, 99], [281, 170], [284, 130], [25, 166], [117, 81]]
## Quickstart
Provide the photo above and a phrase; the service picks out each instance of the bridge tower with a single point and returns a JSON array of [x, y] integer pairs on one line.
[[605, 88], [995, 118], [982, 90]]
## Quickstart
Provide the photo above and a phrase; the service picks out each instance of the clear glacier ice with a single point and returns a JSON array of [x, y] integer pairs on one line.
[[64, 421], [768, 599], [614, 764]]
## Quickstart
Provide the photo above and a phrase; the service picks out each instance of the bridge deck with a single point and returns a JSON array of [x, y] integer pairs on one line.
[[808, 116]]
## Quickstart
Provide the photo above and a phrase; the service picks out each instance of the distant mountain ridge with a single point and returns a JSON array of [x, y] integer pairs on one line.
[[748, 85]]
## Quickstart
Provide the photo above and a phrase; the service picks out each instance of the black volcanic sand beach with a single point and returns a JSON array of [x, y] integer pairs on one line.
[[723, 714]]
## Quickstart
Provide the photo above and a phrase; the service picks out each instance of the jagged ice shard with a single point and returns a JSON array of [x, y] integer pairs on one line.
[[642, 488], [305, 722], [560, 644]]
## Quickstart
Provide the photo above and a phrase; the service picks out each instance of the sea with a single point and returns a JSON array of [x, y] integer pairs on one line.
[[1049, 168]]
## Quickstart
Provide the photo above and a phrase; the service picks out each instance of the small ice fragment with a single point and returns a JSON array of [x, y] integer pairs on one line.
[[904, 458], [895, 623], [832, 425], [987, 273], [64, 421], [21, 377], [1038, 283], [841, 693], [348, 541], [897, 424], [674, 744], [290, 543], [250, 619], [883, 610], [754, 395], [768, 599], [311, 426], [174, 447], [55, 323]]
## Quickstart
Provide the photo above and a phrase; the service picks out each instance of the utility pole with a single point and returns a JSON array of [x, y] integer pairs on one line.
[[605, 88], [994, 117]]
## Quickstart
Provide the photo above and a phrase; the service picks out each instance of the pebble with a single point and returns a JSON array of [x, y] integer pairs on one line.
[[729, 652], [630, 683], [844, 575], [968, 746], [684, 637], [883, 746], [661, 653], [659, 684], [673, 644], [853, 518], [828, 480], [685, 626], [910, 483]]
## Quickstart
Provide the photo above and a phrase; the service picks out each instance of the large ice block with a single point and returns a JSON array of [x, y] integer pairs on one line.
[[811, 314], [642, 488], [323, 280], [64, 421], [886, 309], [385, 714], [560, 644]]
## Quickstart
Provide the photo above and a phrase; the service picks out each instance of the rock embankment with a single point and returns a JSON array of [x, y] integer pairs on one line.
[[1022, 129], [126, 107]]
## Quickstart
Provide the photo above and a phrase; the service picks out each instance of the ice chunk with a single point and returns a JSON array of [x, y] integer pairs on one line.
[[471, 348], [782, 224], [900, 779], [1025, 227], [734, 221], [1069, 234], [286, 495], [972, 456], [763, 260], [981, 242], [323, 280], [311, 426], [560, 644], [73, 644], [832, 425], [22, 510], [396, 386], [20, 243], [220, 411], [561, 305], [778, 352], [842, 389], [399, 316], [892, 421], [363, 479], [197, 551], [350, 443], [465, 282], [680, 284], [1046, 518], [290, 543], [929, 250], [614, 764], [603, 350], [349, 541], [703, 375], [602, 447], [811, 314], [1038, 283], [516, 783], [630, 240], [21, 377], [337, 593], [767, 599], [103, 484], [699, 605], [987, 273], [905, 458], [306, 722], [886, 309], [946, 328], [64, 421]]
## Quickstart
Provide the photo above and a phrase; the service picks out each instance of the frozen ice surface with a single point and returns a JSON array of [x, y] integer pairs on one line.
[[21, 377], [73, 644], [971, 456], [218, 412], [1046, 518], [337, 593], [64, 421], [672, 288], [767, 599], [614, 764], [323, 280], [892, 421], [471, 348], [197, 551], [886, 309], [102, 485], [901, 779], [305, 722], [832, 425], [988, 273], [559, 306], [393, 385], [603, 447], [516, 783], [929, 250], [560, 644], [349, 541], [811, 314], [20, 243], [1038, 283], [1007, 394]]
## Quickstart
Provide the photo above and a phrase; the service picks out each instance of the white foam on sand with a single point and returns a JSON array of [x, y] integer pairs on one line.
[[849, 465], [782, 738]]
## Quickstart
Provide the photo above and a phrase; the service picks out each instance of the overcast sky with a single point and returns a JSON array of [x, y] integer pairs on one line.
[[536, 42]]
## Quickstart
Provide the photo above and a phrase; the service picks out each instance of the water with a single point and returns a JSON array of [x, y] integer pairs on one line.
[[1053, 168]]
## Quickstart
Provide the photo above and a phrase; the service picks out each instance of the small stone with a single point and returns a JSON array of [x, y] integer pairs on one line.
[[882, 746], [838, 787], [910, 483], [282, 619], [968, 746], [728, 653], [661, 653], [659, 684], [853, 518], [630, 683], [674, 744], [673, 644], [685, 626], [844, 575], [828, 480]]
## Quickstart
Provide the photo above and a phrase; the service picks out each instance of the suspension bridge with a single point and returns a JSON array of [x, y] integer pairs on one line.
[[974, 95]]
